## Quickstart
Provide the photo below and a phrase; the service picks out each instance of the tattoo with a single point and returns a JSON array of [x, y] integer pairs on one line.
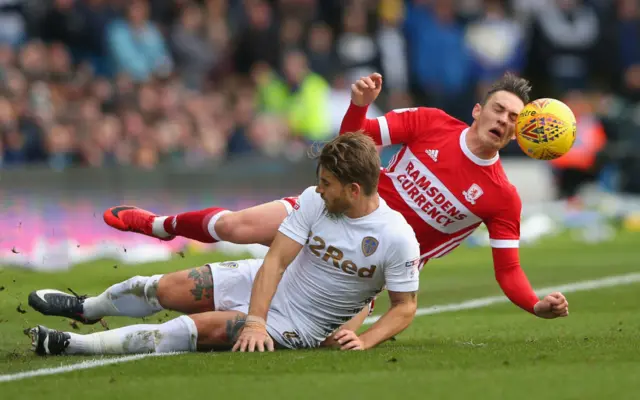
[[204, 283], [234, 327], [402, 297]]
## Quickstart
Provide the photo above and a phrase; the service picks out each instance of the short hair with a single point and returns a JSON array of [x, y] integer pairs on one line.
[[510, 83], [352, 158]]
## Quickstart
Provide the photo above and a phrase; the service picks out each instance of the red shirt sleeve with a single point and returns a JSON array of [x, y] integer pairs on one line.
[[401, 126], [504, 237], [512, 279], [504, 224]]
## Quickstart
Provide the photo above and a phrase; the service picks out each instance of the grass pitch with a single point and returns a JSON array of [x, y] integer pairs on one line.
[[496, 352]]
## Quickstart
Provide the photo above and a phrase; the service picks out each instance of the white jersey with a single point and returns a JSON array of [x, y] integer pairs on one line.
[[344, 263]]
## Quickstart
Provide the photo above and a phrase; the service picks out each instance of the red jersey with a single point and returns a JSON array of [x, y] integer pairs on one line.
[[445, 192]]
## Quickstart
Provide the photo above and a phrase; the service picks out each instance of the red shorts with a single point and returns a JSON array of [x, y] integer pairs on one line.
[[289, 203]]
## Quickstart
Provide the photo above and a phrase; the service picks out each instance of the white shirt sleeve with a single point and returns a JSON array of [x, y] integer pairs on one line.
[[306, 212], [401, 270]]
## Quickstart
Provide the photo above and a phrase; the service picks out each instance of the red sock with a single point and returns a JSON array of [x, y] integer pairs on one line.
[[193, 224]]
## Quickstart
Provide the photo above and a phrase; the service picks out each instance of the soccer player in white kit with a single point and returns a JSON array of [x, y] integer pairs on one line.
[[332, 255]]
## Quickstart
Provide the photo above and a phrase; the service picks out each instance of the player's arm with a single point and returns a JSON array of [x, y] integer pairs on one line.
[[395, 127], [352, 325], [291, 237], [402, 281], [504, 233], [254, 336], [395, 320], [515, 285], [282, 252]]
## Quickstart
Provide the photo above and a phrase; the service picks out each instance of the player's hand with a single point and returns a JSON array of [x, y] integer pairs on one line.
[[552, 306], [254, 337], [366, 89], [348, 340]]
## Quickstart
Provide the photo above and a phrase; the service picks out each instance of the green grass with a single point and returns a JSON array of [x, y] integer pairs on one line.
[[488, 353]]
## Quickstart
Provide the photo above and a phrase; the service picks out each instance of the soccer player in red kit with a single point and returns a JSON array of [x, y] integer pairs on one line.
[[446, 180]]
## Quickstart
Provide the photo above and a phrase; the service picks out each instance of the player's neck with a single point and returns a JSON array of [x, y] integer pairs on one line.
[[366, 206], [476, 147]]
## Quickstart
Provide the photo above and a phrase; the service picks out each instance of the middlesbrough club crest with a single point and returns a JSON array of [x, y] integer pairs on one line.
[[369, 246], [473, 193]]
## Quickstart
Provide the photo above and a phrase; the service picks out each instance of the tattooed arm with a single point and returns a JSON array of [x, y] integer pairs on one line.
[[282, 252]]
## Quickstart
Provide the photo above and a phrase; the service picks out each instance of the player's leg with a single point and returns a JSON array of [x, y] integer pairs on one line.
[[215, 330], [189, 291], [204, 331], [257, 224]]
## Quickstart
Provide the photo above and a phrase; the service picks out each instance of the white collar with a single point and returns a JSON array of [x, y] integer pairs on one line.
[[476, 160]]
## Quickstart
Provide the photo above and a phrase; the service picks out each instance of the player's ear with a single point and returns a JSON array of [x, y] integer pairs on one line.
[[354, 189], [477, 109]]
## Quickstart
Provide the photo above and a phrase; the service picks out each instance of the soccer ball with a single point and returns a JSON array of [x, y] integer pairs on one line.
[[546, 129]]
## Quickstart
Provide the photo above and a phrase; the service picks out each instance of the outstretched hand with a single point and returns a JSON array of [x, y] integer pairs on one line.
[[366, 89]]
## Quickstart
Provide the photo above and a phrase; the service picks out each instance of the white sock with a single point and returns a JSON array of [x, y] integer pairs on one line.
[[179, 334], [211, 226], [135, 297], [157, 227]]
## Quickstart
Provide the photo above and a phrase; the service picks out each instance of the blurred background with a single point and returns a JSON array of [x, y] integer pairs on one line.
[[176, 104]]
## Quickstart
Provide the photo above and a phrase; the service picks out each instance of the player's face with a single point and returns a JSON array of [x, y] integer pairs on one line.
[[334, 193], [497, 119]]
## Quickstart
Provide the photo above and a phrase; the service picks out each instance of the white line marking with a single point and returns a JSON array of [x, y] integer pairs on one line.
[[487, 301], [97, 362], [467, 305]]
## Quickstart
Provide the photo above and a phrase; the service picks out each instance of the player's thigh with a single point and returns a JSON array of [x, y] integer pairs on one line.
[[189, 291], [257, 224], [218, 330]]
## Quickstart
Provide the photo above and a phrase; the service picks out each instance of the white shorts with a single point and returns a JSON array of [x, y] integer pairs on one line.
[[232, 284]]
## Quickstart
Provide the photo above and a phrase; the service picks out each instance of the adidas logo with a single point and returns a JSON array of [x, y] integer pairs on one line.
[[433, 154]]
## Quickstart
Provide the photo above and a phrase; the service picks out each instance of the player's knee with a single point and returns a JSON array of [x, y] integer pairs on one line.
[[168, 285], [229, 225], [214, 333]]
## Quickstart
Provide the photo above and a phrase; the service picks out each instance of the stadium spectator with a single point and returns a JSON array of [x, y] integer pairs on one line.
[[496, 42], [440, 62], [300, 96], [357, 49], [191, 44], [564, 40], [393, 47], [320, 50], [628, 39], [137, 46], [259, 40], [12, 22]]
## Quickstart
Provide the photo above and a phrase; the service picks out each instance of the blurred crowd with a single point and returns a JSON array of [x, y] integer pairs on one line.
[[186, 82]]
